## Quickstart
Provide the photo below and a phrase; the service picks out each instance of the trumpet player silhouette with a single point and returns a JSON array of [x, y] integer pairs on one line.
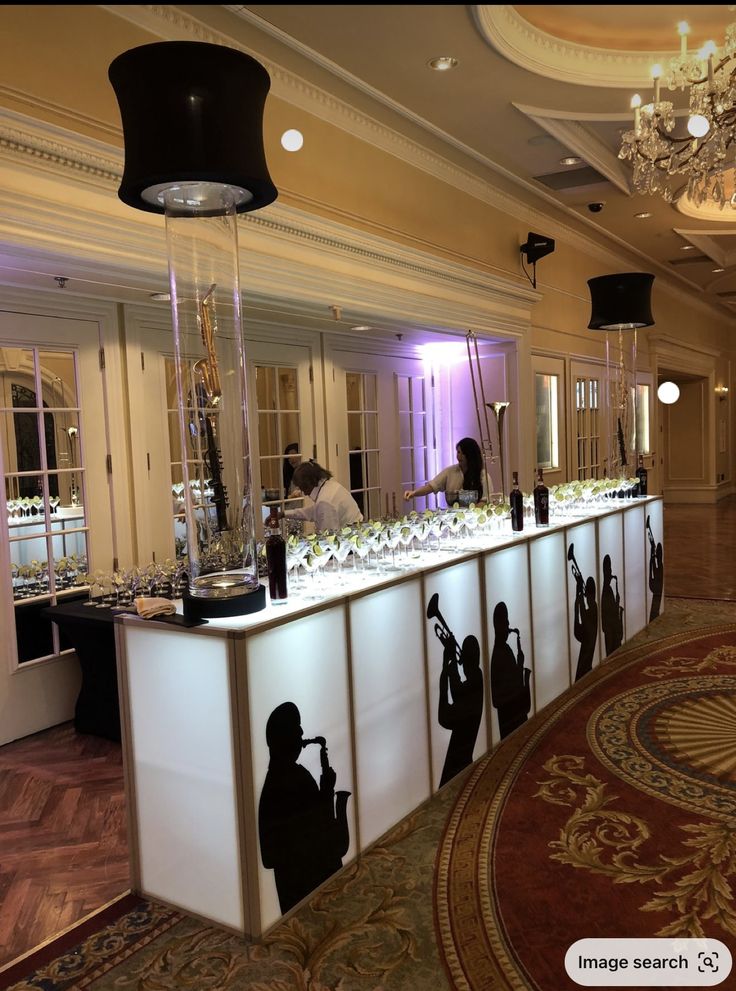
[[461, 699], [656, 573], [302, 827], [612, 612], [509, 678], [585, 616]]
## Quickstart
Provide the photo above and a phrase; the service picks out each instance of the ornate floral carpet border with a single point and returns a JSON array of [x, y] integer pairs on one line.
[[472, 931], [91, 949]]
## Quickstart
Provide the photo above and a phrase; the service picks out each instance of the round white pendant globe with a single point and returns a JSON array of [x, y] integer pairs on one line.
[[668, 393], [292, 140], [698, 125]]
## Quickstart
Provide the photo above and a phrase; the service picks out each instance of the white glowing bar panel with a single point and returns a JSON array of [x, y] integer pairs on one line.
[[583, 610], [656, 567], [636, 569], [185, 791], [611, 591], [391, 732], [457, 724], [549, 613], [507, 583], [303, 662]]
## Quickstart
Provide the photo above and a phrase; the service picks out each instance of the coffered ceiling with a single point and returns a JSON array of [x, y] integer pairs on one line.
[[534, 84]]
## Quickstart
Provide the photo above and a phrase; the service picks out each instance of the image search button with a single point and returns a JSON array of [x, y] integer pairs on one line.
[[657, 962]]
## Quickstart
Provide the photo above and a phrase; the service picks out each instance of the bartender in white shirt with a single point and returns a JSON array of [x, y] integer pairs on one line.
[[332, 505], [464, 482]]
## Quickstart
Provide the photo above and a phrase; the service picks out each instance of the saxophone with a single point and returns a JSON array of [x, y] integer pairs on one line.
[[342, 834], [209, 374]]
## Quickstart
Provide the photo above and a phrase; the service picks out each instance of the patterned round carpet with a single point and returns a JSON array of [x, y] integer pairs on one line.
[[611, 814]]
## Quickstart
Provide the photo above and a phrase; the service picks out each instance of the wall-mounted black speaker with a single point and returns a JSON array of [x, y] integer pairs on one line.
[[536, 247]]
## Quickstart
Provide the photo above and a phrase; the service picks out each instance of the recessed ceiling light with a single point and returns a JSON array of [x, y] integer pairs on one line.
[[642, 216], [161, 297], [571, 160], [718, 270], [442, 63], [361, 327], [292, 140], [687, 247]]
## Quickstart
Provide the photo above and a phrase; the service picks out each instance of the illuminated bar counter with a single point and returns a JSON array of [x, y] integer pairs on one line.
[[207, 709]]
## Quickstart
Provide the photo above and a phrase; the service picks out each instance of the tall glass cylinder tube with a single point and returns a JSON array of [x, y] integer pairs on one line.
[[623, 443], [202, 243]]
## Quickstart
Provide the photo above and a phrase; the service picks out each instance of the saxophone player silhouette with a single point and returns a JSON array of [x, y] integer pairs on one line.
[[461, 699], [656, 573], [585, 616], [302, 826], [510, 692], [612, 612]]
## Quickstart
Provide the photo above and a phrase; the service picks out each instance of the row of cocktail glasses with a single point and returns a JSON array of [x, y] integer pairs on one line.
[[319, 561], [31, 580], [30, 506]]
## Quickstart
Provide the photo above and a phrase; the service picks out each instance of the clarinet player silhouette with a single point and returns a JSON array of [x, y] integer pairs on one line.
[[461, 699], [585, 616], [656, 573], [612, 612], [302, 827], [509, 678]]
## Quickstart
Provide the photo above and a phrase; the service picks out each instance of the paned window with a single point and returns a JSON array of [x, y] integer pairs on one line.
[[587, 427], [548, 434], [42, 461], [362, 409], [413, 432]]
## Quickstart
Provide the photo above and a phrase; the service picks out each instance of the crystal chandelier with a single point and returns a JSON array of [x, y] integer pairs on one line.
[[658, 154]]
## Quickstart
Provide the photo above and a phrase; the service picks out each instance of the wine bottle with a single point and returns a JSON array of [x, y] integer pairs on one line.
[[275, 559], [541, 501], [517, 505], [641, 474]]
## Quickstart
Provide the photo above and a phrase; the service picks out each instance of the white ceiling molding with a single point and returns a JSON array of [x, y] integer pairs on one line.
[[169, 22], [554, 58], [72, 226], [582, 142]]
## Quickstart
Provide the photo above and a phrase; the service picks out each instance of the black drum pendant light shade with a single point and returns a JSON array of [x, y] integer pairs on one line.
[[621, 302], [191, 112]]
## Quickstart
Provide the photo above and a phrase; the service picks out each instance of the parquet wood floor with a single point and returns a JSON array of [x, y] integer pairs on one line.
[[63, 850], [63, 844], [700, 550]]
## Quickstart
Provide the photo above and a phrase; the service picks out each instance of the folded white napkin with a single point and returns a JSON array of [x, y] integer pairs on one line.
[[148, 607]]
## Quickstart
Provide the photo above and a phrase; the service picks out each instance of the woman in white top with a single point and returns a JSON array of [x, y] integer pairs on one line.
[[332, 505], [468, 477]]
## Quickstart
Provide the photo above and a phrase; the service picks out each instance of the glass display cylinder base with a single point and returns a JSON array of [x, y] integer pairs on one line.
[[234, 605]]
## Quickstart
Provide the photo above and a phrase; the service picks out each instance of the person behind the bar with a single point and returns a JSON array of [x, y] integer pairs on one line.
[[292, 459], [331, 506], [468, 477]]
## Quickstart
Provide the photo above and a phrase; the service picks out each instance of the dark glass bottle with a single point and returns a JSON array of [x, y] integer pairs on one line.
[[275, 559], [641, 474], [517, 504], [541, 501]]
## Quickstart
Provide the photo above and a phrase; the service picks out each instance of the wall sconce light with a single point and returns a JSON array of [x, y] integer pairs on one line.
[[722, 392], [668, 393]]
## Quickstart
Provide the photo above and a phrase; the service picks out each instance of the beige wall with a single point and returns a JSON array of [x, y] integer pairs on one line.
[[54, 66]]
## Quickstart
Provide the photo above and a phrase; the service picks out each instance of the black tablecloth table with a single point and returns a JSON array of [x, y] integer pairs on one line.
[[91, 631]]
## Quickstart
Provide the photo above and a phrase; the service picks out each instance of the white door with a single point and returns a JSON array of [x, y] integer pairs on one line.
[[281, 415], [57, 521], [380, 432]]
